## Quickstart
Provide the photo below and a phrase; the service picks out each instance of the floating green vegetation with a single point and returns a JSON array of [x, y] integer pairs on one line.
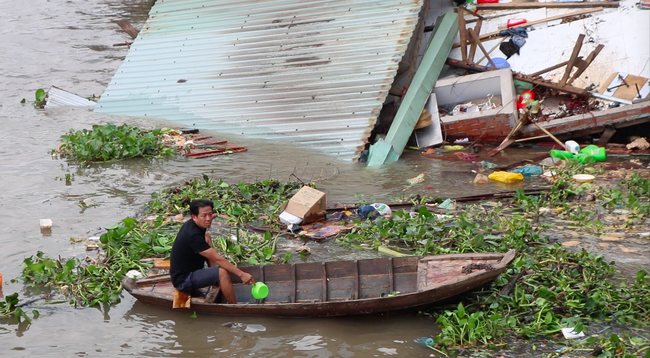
[[96, 280], [110, 142], [9, 307], [240, 204], [40, 98], [546, 288]]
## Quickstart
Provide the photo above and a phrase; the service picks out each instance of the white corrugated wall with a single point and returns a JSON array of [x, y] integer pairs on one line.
[[311, 72]]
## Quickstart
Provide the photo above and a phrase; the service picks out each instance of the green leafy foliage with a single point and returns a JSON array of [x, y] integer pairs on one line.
[[95, 281], [110, 142], [9, 307], [240, 204], [40, 98], [551, 288]]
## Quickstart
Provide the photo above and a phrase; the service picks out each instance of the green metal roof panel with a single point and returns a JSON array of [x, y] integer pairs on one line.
[[311, 72]]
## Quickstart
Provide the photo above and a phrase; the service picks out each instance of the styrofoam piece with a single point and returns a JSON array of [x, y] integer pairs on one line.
[[288, 218], [46, 223], [569, 333]]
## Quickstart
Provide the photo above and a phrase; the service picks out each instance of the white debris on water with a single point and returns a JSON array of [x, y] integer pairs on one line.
[[252, 328]]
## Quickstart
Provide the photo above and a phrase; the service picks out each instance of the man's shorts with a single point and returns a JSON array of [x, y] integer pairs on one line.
[[201, 278]]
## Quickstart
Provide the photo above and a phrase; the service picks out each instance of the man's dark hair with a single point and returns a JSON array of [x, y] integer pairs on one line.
[[197, 204]]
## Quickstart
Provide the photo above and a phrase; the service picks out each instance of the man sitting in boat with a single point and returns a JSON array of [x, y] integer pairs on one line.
[[193, 248]]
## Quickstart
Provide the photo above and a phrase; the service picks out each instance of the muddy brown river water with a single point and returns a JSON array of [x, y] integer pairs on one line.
[[70, 44]]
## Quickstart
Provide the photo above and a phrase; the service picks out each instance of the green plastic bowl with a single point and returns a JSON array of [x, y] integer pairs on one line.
[[260, 290]]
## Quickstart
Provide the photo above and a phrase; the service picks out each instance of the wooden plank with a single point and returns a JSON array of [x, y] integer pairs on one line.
[[492, 49], [153, 279], [551, 85], [473, 34], [462, 31], [604, 85], [549, 134], [293, 281], [535, 22], [391, 277], [606, 136], [572, 59], [538, 73], [128, 28], [523, 117], [531, 138], [537, 5], [480, 45], [356, 280], [582, 66], [324, 293]]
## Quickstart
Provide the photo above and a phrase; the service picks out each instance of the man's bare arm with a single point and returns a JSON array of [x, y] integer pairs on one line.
[[215, 259]]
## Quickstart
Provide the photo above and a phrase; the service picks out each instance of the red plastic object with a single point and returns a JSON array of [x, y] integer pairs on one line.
[[515, 22], [487, 1], [522, 101]]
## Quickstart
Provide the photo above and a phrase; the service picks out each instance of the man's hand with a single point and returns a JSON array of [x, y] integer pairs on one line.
[[246, 278]]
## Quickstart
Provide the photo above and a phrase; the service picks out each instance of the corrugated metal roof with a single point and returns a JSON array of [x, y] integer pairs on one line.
[[313, 72], [57, 97]]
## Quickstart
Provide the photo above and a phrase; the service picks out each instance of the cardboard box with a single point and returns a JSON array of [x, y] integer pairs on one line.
[[308, 204]]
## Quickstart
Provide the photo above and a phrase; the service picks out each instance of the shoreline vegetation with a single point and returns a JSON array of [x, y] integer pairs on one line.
[[548, 287]]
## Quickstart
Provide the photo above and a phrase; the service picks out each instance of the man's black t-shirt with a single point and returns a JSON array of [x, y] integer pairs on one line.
[[185, 257]]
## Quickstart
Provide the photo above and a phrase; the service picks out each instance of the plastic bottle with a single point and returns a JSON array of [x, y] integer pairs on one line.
[[560, 154], [597, 152], [572, 146]]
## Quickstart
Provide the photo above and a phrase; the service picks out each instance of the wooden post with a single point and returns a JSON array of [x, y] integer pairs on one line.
[[480, 45], [474, 34], [462, 31]]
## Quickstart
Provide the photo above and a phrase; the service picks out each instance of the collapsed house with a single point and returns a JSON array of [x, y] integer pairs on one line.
[[321, 73]]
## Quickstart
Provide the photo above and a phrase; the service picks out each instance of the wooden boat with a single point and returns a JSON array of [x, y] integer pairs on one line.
[[338, 288]]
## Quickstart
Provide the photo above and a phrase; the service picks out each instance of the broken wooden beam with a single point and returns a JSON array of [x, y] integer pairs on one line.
[[128, 28], [582, 65], [548, 133], [535, 22], [525, 78], [476, 41], [607, 135], [572, 59]]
